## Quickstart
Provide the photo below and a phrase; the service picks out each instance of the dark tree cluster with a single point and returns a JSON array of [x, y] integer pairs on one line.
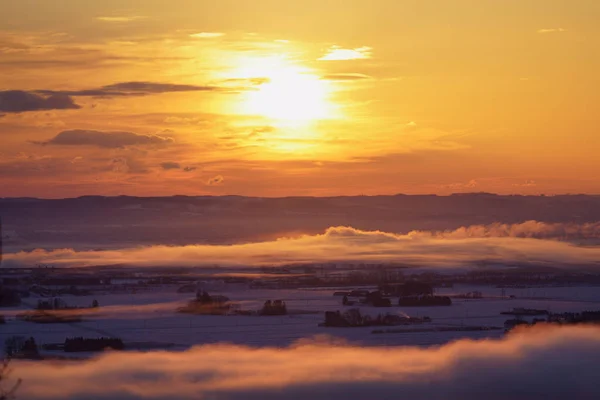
[[276, 307], [585, 317], [412, 288], [354, 318], [202, 297], [78, 344], [19, 347], [9, 297]]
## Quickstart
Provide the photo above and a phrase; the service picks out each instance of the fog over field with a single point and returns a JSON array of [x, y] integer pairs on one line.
[[531, 242], [426, 231], [530, 364], [95, 222], [299, 199], [460, 354]]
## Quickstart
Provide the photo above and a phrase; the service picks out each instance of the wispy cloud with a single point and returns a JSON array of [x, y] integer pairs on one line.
[[140, 88], [207, 35], [527, 183], [121, 18], [551, 30], [167, 165], [346, 77], [131, 89], [337, 53], [215, 181], [111, 140]]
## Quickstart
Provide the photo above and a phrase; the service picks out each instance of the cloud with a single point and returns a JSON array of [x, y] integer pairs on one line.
[[548, 363], [467, 185], [131, 89], [346, 77], [121, 19], [527, 229], [113, 140], [529, 243], [527, 183], [215, 181], [551, 30], [17, 101], [337, 53], [154, 87], [207, 35], [170, 165], [127, 165]]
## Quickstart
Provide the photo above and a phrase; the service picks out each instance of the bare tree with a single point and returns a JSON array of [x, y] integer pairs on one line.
[[4, 373]]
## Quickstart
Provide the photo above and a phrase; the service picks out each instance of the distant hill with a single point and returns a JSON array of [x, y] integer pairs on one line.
[[102, 222]]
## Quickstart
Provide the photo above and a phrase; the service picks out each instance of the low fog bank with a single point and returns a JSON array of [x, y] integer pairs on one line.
[[529, 243], [535, 363], [95, 222]]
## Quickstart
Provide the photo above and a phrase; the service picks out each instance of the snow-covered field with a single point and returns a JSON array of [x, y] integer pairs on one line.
[[148, 320]]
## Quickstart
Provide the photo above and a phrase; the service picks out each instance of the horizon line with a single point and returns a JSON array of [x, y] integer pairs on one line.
[[302, 196]]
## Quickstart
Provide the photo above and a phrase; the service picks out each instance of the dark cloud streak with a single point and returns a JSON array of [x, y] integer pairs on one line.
[[80, 137], [17, 101], [346, 77], [170, 165], [126, 89]]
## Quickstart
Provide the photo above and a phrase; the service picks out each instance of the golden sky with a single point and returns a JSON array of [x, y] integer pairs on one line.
[[279, 98]]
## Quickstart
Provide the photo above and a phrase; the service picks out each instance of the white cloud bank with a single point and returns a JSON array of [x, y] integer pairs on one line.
[[530, 242], [546, 363]]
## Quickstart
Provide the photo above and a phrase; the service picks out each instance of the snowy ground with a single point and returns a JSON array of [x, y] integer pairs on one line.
[[148, 320]]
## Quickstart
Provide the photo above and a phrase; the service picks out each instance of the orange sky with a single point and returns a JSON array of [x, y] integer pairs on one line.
[[277, 98]]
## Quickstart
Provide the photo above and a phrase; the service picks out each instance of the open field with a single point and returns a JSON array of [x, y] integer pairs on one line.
[[148, 320]]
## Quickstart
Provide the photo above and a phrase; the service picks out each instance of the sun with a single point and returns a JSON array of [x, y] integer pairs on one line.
[[290, 93]]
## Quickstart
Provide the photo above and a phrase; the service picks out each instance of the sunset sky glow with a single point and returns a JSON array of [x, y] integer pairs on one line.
[[281, 98]]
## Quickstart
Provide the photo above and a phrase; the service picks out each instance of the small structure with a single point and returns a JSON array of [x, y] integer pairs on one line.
[[376, 299], [56, 303], [470, 295], [347, 302], [358, 293], [365, 297]]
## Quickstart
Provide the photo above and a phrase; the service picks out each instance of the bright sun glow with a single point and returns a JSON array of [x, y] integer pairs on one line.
[[291, 94]]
